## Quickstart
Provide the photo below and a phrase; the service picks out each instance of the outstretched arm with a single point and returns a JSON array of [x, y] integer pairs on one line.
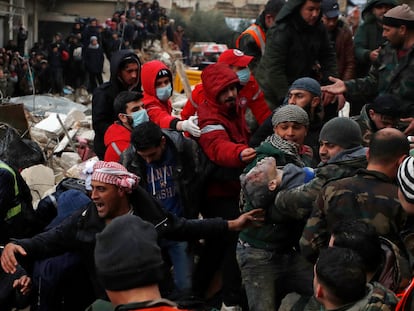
[[338, 86]]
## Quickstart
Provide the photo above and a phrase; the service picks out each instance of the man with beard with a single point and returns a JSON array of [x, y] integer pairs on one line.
[[393, 72], [130, 112], [368, 37], [224, 138], [296, 46]]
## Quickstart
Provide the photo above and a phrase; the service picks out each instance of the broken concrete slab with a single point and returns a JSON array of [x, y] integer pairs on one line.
[[51, 124], [40, 104]]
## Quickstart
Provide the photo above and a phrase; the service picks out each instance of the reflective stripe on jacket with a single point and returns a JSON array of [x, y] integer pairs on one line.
[[258, 35], [13, 211]]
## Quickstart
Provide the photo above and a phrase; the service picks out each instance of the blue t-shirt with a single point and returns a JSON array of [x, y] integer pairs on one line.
[[161, 182]]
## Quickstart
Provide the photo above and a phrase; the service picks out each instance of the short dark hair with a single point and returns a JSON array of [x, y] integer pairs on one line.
[[388, 145], [342, 273], [146, 135], [123, 98], [362, 238]]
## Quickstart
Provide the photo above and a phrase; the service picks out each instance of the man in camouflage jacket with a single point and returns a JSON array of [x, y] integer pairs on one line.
[[370, 195], [341, 155], [383, 112], [393, 72]]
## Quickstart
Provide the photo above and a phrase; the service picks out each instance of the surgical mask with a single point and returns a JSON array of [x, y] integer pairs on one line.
[[139, 117], [163, 93], [244, 75]]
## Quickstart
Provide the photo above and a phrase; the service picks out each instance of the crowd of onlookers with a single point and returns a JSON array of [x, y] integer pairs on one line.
[[76, 59]]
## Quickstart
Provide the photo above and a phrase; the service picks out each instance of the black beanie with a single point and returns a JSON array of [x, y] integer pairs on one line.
[[343, 132], [127, 254]]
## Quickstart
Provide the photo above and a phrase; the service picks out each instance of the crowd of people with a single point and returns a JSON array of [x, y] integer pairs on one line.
[[214, 210], [76, 59]]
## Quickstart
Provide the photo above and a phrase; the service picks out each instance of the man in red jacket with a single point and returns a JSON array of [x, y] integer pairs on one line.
[[157, 85], [130, 111], [224, 137], [250, 94]]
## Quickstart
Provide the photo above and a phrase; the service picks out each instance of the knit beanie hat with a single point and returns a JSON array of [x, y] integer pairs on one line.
[[307, 84], [405, 179], [115, 174], [163, 73], [343, 132], [399, 15], [127, 254], [290, 113]]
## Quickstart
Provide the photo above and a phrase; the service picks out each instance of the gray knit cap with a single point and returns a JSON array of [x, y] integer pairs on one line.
[[343, 132], [399, 15], [290, 113], [307, 84], [405, 178]]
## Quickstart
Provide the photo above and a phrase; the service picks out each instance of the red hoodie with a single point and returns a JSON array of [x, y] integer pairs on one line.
[[224, 134], [116, 139], [251, 96], [159, 112]]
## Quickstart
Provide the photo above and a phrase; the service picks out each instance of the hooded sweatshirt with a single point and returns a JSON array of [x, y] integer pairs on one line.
[[224, 133], [159, 112], [251, 96], [103, 114], [117, 139]]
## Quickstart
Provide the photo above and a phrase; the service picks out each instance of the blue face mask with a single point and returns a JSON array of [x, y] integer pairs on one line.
[[163, 93], [244, 75], [139, 117]]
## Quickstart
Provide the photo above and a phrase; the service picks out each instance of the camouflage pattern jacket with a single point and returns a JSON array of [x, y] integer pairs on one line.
[[378, 298], [366, 125], [369, 195], [297, 203], [389, 75]]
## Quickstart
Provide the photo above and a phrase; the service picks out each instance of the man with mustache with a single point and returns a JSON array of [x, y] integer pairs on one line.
[[224, 139], [296, 46], [393, 71]]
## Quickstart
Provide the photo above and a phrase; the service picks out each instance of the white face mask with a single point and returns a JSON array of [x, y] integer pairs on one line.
[[163, 93]]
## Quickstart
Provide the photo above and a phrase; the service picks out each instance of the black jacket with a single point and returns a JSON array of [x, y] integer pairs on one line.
[[293, 50], [103, 98], [77, 233], [186, 172]]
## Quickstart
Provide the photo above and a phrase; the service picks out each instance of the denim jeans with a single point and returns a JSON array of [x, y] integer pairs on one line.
[[182, 263], [268, 276]]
